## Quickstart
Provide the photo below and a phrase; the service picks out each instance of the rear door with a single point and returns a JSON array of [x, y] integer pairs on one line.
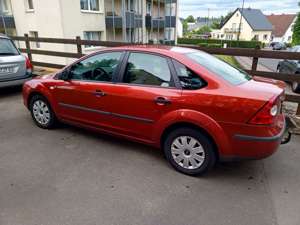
[[84, 97], [145, 93]]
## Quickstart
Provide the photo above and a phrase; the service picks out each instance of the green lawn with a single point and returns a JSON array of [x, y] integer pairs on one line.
[[230, 59]]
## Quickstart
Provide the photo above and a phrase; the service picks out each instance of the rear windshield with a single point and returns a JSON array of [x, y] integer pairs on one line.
[[219, 67], [7, 47]]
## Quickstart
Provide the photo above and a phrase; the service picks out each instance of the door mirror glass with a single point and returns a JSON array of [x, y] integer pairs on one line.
[[65, 75]]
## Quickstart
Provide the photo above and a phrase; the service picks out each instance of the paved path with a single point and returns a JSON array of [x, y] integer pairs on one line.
[[69, 176]]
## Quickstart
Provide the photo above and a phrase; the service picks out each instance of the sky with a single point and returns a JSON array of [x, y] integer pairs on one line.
[[222, 7]]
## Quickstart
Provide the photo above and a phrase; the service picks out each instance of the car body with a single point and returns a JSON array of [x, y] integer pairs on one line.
[[279, 46], [153, 94], [15, 68], [291, 67]]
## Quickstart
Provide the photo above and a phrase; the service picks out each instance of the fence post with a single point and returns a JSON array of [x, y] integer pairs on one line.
[[78, 43], [255, 60], [27, 44]]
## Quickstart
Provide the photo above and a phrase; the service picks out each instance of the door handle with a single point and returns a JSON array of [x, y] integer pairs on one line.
[[162, 101], [99, 93]]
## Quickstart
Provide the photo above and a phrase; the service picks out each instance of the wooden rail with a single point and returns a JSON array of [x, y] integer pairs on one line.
[[255, 54]]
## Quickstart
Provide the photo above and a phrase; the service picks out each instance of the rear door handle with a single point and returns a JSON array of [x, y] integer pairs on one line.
[[162, 101], [99, 93]]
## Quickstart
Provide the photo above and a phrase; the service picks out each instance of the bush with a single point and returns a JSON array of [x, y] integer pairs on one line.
[[203, 44], [220, 43], [214, 45]]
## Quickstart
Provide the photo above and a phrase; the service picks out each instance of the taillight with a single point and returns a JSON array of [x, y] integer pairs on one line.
[[29, 66], [268, 113]]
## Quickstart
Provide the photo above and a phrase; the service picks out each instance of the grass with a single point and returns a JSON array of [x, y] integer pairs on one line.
[[230, 59]]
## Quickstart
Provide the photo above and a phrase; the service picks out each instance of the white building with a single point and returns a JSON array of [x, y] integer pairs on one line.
[[282, 27], [106, 20]]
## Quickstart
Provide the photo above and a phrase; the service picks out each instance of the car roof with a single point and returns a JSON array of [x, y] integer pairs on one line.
[[161, 49]]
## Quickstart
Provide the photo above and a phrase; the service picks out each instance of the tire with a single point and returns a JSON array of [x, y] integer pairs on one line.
[[184, 159], [296, 87], [41, 112]]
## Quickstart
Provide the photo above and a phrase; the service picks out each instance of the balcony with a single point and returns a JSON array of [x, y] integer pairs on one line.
[[113, 20], [170, 21], [7, 21]]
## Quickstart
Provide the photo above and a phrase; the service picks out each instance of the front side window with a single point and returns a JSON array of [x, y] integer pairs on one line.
[[100, 67], [89, 5], [188, 79], [147, 69], [7, 48], [219, 67]]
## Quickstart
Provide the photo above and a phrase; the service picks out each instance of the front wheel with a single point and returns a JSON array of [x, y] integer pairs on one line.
[[41, 112], [189, 151]]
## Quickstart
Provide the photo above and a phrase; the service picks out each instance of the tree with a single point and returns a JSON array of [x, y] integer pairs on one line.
[[190, 19], [215, 25], [203, 30], [225, 18], [296, 30]]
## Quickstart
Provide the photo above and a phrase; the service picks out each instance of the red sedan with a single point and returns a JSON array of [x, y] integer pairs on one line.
[[195, 107]]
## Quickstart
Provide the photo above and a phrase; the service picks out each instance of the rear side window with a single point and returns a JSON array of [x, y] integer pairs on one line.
[[219, 67], [147, 69], [99, 67], [7, 48], [188, 79]]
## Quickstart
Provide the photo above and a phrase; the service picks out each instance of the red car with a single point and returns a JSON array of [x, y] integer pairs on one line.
[[195, 107]]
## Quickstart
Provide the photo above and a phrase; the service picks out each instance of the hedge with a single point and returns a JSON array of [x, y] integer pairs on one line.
[[220, 43]]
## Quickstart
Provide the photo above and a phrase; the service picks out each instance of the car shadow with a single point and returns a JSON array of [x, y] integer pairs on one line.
[[7, 92]]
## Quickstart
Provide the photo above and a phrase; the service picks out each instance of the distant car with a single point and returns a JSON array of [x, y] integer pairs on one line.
[[195, 107], [279, 46], [291, 67], [15, 68]]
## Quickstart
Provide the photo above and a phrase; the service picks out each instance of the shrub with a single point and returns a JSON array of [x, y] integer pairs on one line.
[[214, 45], [203, 44]]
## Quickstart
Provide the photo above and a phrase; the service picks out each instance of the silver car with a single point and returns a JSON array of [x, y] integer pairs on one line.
[[15, 68]]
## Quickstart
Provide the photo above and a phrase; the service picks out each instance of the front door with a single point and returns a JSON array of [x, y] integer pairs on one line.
[[83, 98], [144, 95]]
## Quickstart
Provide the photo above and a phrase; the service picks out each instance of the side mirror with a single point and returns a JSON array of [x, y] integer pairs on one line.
[[65, 75]]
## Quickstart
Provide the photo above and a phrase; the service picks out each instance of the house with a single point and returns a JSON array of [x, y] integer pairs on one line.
[[7, 22], [132, 21], [245, 24], [282, 27]]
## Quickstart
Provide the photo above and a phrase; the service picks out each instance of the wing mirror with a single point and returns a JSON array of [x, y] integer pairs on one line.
[[65, 75]]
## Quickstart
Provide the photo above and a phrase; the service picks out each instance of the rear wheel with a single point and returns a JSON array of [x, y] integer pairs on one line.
[[189, 151], [42, 112]]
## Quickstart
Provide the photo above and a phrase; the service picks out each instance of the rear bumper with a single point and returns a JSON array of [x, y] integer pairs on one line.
[[246, 146], [15, 81]]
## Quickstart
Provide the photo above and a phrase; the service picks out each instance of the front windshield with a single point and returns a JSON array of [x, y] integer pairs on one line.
[[219, 67], [7, 47]]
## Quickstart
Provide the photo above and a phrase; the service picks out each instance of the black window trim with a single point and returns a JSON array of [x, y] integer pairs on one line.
[[122, 71], [114, 76]]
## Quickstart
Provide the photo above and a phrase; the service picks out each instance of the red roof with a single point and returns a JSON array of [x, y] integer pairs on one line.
[[281, 23]]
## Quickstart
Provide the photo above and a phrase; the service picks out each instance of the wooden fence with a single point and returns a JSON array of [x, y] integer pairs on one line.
[[255, 54]]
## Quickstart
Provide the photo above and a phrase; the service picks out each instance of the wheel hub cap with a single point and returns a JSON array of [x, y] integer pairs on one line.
[[187, 152], [41, 112]]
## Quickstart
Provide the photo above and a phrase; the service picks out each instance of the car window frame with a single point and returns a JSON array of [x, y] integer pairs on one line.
[[173, 81], [178, 80], [114, 76]]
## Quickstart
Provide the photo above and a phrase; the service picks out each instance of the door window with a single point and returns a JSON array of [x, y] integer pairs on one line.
[[147, 69], [100, 67], [188, 79]]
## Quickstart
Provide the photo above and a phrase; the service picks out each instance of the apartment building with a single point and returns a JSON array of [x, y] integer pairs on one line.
[[7, 22], [133, 21]]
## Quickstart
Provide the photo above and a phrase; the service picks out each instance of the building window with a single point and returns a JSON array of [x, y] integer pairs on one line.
[[256, 37], [92, 36], [4, 6], [289, 38], [90, 5], [148, 8], [29, 5], [265, 37], [35, 34]]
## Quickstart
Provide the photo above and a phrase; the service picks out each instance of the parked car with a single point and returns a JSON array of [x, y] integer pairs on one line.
[[291, 67], [279, 46], [15, 68], [195, 107]]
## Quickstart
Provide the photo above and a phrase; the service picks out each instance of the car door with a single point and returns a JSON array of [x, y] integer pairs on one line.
[[145, 94], [82, 97]]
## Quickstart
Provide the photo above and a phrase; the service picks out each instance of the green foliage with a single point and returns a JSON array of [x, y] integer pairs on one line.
[[225, 18], [230, 43], [190, 19], [202, 30], [215, 25], [296, 31]]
